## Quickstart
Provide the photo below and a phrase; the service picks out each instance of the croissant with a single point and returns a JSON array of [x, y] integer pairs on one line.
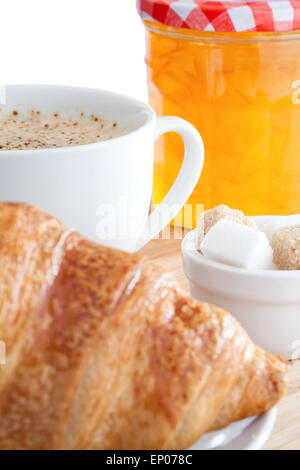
[[103, 351]]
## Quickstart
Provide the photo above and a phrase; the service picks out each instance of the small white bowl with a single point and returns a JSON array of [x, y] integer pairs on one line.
[[266, 303]]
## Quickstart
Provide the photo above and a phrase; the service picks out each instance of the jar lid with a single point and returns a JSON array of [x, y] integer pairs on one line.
[[210, 15]]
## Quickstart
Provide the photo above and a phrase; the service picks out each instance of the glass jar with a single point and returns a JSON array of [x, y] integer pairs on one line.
[[241, 90]]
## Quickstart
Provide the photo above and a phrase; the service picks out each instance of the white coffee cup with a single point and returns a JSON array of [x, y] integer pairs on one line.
[[103, 190]]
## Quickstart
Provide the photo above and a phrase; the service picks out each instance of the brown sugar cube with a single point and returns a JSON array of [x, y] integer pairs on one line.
[[286, 247], [209, 218]]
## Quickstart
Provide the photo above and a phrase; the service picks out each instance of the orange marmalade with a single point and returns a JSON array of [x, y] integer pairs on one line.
[[242, 92]]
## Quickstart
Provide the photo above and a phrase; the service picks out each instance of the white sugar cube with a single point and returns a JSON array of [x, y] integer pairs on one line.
[[270, 224], [209, 218], [238, 245]]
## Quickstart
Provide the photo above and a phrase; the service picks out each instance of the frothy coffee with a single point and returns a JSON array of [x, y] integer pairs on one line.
[[37, 131]]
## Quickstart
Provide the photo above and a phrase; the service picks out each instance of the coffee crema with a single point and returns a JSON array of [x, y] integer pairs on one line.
[[37, 131]]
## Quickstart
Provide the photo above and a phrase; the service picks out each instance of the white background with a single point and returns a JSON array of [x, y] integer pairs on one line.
[[95, 43]]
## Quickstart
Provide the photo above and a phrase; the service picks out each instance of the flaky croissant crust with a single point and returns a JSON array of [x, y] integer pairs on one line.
[[105, 352]]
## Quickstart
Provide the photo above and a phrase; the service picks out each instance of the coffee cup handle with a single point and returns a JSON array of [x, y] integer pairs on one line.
[[186, 180]]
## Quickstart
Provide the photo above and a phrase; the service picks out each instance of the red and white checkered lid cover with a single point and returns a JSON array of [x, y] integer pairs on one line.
[[210, 15]]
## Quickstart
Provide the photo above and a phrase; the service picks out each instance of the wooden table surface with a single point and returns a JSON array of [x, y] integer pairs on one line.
[[286, 434]]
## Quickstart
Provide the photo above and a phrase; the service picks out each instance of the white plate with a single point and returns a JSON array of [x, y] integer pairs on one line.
[[249, 434]]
